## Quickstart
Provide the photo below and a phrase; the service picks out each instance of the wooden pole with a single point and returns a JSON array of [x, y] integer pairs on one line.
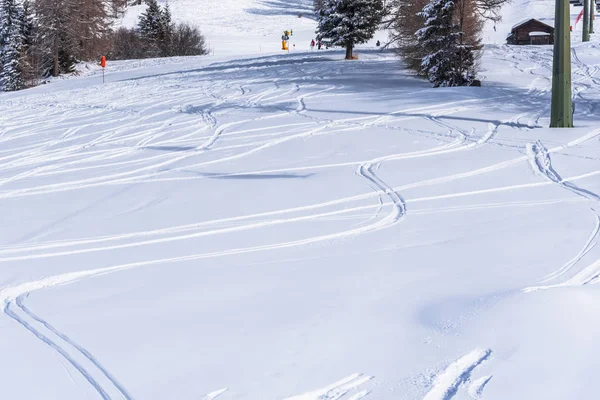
[[585, 36], [561, 111], [592, 13]]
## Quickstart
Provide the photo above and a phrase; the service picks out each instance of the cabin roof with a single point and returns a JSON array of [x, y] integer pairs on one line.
[[529, 20]]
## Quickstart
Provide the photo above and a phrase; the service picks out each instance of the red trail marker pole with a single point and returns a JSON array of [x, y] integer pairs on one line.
[[103, 65]]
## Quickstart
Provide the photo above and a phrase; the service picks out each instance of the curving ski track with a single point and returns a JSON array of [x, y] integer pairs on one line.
[[541, 163]]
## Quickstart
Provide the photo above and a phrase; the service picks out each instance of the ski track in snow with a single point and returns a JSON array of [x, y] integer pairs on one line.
[[399, 205], [65, 347], [60, 350], [447, 383], [338, 389], [541, 162], [400, 208], [476, 387], [214, 395]]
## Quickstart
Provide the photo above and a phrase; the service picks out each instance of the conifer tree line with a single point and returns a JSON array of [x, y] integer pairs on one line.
[[42, 38], [439, 40]]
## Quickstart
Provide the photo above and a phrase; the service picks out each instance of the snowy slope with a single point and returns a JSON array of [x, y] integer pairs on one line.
[[234, 27], [296, 226], [242, 26]]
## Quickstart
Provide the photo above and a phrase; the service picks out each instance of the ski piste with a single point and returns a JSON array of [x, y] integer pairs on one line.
[[257, 224]]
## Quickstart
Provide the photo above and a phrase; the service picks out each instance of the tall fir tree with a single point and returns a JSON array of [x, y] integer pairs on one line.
[[347, 23], [165, 36], [11, 46], [30, 51], [447, 61], [156, 27], [150, 21]]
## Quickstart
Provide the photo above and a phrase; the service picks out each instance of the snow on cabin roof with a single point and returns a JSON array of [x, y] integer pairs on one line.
[[522, 22], [539, 34], [525, 21]]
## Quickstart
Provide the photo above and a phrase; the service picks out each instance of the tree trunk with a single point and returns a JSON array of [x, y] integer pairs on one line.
[[461, 64], [349, 48], [55, 59]]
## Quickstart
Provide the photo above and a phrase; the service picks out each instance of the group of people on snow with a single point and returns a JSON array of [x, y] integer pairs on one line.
[[319, 44]]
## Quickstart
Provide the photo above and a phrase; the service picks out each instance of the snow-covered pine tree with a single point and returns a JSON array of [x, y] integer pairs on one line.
[[2, 33], [347, 23], [156, 27], [32, 57], [165, 36], [28, 25], [447, 61], [29, 34], [150, 20], [11, 46], [150, 25]]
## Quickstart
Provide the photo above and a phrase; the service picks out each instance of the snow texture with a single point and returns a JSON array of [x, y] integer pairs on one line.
[[297, 226]]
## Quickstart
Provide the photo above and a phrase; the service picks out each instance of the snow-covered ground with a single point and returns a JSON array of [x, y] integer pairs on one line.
[[235, 27], [295, 226]]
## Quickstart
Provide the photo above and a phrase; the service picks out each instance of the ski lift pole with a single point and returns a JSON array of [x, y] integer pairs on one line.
[[585, 36], [561, 110], [592, 13]]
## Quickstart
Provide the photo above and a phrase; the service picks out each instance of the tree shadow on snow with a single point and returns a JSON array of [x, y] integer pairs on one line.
[[169, 148], [242, 65], [382, 84], [242, 176]]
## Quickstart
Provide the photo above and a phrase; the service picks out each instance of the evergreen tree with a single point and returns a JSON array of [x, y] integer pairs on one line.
[[28, 25], [149, 24], [151, 20], [347, 23], [447, 61], [165, 36], [29, 48], [11, 46], [156, 27], [31, 53]]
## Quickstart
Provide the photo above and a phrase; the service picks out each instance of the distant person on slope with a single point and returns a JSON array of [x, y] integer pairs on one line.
[[378, 43], [312, 44]]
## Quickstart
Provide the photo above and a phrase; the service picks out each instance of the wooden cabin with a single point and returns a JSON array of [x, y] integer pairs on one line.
[[531, 31]]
